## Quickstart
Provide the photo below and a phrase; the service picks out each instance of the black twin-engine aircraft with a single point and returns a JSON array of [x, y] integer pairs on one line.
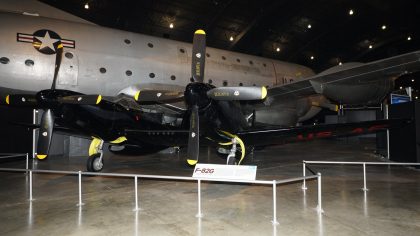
[[214, 116]]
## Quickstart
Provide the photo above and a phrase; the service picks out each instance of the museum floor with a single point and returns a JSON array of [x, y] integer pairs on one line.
[[390, 207]]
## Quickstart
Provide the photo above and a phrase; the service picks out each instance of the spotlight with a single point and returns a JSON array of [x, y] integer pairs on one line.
[[351, 12], [383, 27], [340, 63], [309, 26], [412, 80], [278, 49], [171, 25], [312, 57], [370, 46], [409, 38], [231, 38], [87, 6]]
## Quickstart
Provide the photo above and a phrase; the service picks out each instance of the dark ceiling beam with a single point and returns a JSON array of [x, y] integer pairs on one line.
[[210, 25]]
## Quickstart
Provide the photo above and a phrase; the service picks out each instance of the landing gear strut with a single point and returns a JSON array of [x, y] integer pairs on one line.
[[231, 157], [95, 162]]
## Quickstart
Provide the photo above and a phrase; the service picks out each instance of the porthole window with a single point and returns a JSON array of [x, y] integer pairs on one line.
[[225, 83], [223, 57], [265, 65], [173, 77], [207, 55], [291, 80], [251, 62], [238, 60], [128, 72], [127, 41], [241, 84], [210, 81], [152, 75], [191, 79], [4, 60], [102, 70], [254, 85], [68, 55], [29, 62], [182, 50], [150, 45]]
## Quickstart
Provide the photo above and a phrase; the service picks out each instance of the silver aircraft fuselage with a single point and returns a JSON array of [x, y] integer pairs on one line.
[[105, 61]]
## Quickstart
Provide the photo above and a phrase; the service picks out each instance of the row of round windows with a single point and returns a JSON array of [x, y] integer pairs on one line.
[[150, 45], [29, 62]]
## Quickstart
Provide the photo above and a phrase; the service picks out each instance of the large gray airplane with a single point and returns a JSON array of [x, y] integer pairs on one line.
[[129, 89]]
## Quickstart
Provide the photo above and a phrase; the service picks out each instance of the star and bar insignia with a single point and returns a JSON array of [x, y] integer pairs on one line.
[[45, 41]]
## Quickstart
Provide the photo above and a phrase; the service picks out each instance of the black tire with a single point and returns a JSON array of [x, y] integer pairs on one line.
[[92, 163]]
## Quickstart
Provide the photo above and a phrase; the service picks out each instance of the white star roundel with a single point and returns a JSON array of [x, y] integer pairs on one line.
[[46, 41]]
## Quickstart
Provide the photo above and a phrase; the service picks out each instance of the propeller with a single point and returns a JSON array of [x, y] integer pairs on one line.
[[81, 99], [193, 138], [157, 95], [47, 121], [237, 93], [21, 100], [200, 95], [45, 134]]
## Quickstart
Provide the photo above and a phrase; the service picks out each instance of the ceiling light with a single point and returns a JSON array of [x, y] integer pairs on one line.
[[231, 38], [383, 27], [370, 46], [312, 57], [309, 26], [340, 63], [278, 49], [87, 6], [351, 12], [412, 80], [171, 25], [417, 97], [400, 87], [409, 38]]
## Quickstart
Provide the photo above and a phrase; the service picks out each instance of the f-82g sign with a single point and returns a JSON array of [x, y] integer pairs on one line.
[[213, 171]]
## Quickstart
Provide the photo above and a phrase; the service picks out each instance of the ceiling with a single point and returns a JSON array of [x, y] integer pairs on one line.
[[259, 27]]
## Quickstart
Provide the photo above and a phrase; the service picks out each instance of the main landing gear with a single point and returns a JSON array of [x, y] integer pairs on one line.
[[95, 162], [231, 157]]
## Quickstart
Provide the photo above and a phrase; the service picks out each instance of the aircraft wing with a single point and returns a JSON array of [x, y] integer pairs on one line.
[[351, 73], [260, 137]]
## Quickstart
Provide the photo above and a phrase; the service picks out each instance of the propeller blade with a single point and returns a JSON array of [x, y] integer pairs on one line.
[[58, 59], [198, 56], [237, 93], [45, 134], [193, 139], [81, 99], [21, 100], [157, 95]]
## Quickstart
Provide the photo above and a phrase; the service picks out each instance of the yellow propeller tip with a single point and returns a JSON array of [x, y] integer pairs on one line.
[[200, 31], [8, 99], [99, 99], [136, 96], [41, 157], [263, 92], [192, 162]]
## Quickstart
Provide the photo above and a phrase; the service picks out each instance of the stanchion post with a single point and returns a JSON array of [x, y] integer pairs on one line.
[[199, 214], [30, 186], [27, 163], [319, 207], [304, 175], [80, 190], [136, 194], [274, 221], [364, 177]]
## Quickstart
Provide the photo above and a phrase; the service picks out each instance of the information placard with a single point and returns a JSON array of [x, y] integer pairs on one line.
[[232, 172]]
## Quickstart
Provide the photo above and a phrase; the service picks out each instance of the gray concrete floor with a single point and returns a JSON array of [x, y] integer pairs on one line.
[[390, 207]]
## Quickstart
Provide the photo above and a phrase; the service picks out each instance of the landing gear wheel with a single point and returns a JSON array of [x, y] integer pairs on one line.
[[95, 163]]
